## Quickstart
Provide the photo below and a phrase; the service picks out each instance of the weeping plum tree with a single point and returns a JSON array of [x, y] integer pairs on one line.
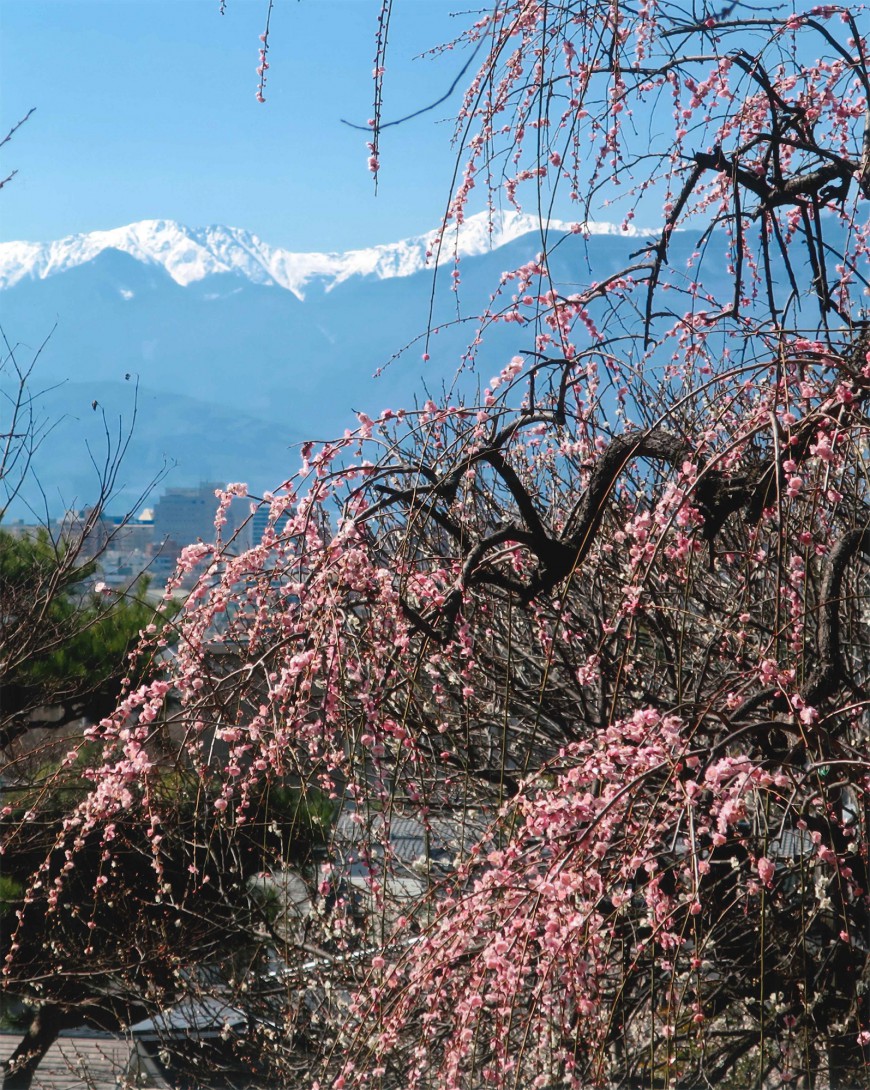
[[613, 606]]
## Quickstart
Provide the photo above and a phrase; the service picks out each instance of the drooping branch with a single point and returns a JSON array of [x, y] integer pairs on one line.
[[829, 672], [657, 444]]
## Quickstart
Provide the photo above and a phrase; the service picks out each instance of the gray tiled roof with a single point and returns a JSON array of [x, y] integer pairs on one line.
[[411, 840], [84, 1061]]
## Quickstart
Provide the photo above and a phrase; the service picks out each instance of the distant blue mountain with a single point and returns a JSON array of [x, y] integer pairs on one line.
[[234, 367]]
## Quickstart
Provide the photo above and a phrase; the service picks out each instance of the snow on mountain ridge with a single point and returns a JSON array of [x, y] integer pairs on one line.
[[191, 254]]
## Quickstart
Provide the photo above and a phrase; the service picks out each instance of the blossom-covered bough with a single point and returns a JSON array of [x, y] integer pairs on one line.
[[612, 607]]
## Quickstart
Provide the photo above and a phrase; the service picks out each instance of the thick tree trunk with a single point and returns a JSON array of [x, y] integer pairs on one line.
[[19, 1069]]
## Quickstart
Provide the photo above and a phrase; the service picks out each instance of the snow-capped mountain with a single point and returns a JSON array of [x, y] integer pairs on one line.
[[241, 349], [192, 254]]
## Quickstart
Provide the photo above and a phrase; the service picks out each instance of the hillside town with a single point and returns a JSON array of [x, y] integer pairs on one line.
[[126, 548]]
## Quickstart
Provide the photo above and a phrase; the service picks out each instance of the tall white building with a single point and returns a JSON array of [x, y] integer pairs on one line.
[[183, 516]]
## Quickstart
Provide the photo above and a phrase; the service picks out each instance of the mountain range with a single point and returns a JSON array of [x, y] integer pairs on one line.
[[240, 350], [193, 254]]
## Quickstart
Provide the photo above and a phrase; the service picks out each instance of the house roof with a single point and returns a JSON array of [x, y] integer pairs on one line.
[[77, 1059], [206, 1016], [441, 841]]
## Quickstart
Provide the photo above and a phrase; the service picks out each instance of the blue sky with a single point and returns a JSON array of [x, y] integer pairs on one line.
[[146, 109]]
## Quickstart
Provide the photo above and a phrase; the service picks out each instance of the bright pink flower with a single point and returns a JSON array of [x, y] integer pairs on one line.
[[766, 871]]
